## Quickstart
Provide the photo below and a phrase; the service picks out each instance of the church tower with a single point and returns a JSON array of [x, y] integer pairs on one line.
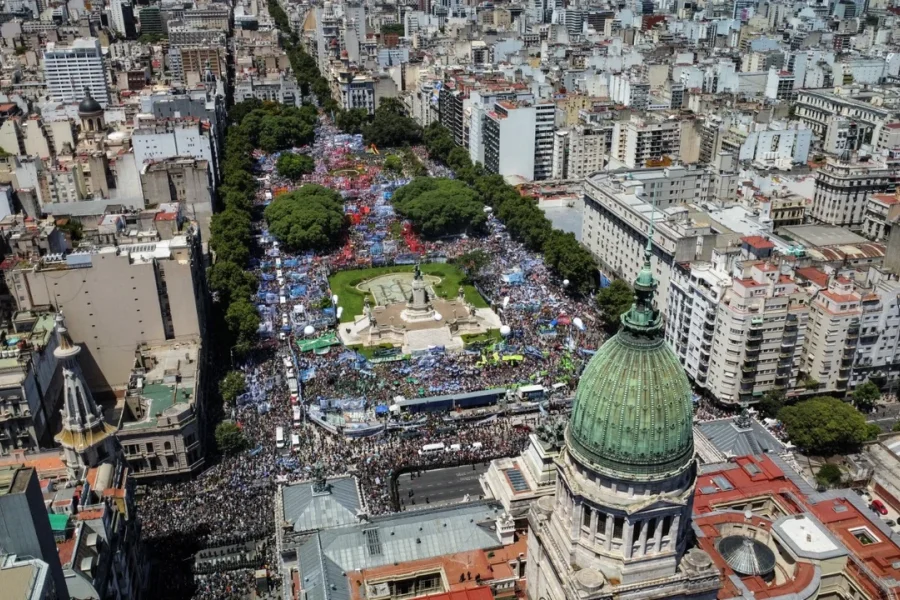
[[85, 437], [619, 524]]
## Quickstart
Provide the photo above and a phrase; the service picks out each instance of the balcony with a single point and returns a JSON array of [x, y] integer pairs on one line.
[[756, 322], [750, 369], [755, 334]]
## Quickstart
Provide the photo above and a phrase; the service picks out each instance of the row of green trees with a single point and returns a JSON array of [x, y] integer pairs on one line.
[[253, 124], [563, 254]]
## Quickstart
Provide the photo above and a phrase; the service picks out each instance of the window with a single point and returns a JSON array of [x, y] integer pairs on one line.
[[167, 445], [586, 517], [618, 526], [651, 529], [150, 447], [666, 525]]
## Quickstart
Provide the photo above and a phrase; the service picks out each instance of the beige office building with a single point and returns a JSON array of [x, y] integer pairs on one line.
[[117, 297]]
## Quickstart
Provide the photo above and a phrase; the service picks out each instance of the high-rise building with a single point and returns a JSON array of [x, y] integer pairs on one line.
[[544, 127], [151, 21], [69, 71], [121, 17], [757, 342], [620, 522], [580, 151], [509, 140]]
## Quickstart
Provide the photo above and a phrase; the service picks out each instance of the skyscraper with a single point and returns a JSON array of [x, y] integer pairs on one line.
[[68, 71]]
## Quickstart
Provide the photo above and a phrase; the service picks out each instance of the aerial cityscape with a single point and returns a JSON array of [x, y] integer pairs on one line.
[[513, 300]]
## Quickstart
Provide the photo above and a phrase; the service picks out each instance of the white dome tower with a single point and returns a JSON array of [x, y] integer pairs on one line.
[[85, 437]]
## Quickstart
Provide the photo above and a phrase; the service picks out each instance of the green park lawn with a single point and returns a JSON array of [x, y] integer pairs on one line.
[[343, 283]]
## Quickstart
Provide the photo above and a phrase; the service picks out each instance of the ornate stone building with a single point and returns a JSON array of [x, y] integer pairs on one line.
[[619, 524], [86, 438]]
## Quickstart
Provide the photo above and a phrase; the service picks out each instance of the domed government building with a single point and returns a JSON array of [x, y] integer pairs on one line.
[[619, 522]]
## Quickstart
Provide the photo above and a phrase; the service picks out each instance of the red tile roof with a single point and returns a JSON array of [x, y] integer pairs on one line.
[[816, 276], [758, 242]]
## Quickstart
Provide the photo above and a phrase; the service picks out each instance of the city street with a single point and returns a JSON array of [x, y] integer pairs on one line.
[[441, 486]]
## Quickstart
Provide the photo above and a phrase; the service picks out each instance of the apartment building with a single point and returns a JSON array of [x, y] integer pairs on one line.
[[180, 180], [760, 327], [212, 16], [629, 91], [581, 150], [695, 290], [544, 126], [353, 90], [481, 100], [163, 416], [277, 87], [509, 140], [617, 214], [156, 290], [816, 107], [881, 211], [878, 350], [833, 335], [843, 188], [69, 70], [643, 139]]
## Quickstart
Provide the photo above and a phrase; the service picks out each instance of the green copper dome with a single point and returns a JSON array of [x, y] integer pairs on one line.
[[633, 416]]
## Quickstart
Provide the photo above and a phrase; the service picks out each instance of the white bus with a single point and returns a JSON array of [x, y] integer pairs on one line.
[[454, 448], [432, 449], [295, 442], [279, 437], [297, 416], [530, 392]]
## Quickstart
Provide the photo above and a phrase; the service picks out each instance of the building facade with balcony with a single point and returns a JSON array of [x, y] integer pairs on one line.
[[695, 290], [834, 331], [760, 329], [878, 350]]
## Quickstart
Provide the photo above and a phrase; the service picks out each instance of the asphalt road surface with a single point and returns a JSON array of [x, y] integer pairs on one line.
[[440, 486]]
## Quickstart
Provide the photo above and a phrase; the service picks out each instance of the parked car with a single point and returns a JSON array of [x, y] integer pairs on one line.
[[878, 506]]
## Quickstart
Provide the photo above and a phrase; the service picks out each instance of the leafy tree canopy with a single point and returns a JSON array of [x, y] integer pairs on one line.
[[824, 426], [311, 218], [243, 321], [866, 396], [294, 166], [351, 121], [229, 438], [390, 127], [570, 260], [613, 301], [231, 386], [829, 475], [438, 207], [231, 281]]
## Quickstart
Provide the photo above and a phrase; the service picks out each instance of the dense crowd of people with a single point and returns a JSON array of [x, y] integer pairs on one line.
[[233, 500]]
